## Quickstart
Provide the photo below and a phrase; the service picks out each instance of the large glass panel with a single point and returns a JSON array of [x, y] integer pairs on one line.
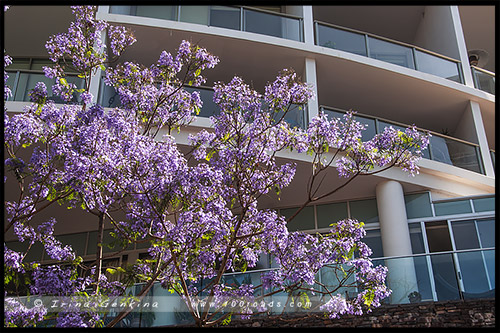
[[303, 221], [418, 205], [452, 207], [486, 229], [423, 279], [441, 67], [10, 83], [331, 213], [484, 204], [124, 10], [485, 82], [77, 242], [474, 275], [330, 114], [20, 63], [390, 52], [374, 242], [159, 12], [463, 155], [370, 130], [295, 115], [225, 17], [209, 107], [364, 210], [38, 64], [34, 254], [195, 14], [109, 97], [27, 82], [445, 278], [341, 40], [439, 150], [264, 23], [489, 259], [465, 235], [417, 241], [438, 236], [383, 124]]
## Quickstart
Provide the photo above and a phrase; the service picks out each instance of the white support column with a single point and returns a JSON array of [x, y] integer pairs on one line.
[[401, 277], [462, 47], [482, 140], [307, 15], [310, 78]]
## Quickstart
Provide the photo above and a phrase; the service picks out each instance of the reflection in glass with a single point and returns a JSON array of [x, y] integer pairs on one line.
[[341, 40], [465, 235], [364, 210], [225, 17], [331, 213], [441, 67], [473, 274], [271, 25], [390, 52], [195, 14], [303, 221], [486, 230], [418, 205], [484, 81], [445, 279]]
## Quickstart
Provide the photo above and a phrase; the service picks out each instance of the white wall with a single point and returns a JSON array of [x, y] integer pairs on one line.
[[436, 32]]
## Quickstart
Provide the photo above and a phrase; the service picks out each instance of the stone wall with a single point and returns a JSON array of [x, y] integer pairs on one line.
[[470, 313]]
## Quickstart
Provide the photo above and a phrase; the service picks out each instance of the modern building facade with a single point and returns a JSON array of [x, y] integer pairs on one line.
[[432, 66]]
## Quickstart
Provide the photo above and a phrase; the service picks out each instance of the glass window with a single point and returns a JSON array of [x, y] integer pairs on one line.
[[485, 82], [19, 63], [438, 236], [331, 213], [303, 221], [418, 205], [374, 242], [195, 14], [462, 155], [38, 64], [370, 130], [432, 64], [465, 235], [417, 241], [484, 204], [364, 210], [333, 114], [391, 52], [452, 207], [341, 40], [225, 17], [271, 25], [486, 230], [445, 277], [159, 12], [124, 10], [209, 107], [34, 254], [77, 242], [474, 275]]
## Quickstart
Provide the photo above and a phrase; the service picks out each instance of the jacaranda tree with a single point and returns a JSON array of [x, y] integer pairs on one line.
[[198, 211]]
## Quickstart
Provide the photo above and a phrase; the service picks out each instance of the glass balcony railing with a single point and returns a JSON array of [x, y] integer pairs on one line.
[[442, 148], [384, 49], [22, 82], [296, 115], [236, 18], [492, 153], [483, 80]]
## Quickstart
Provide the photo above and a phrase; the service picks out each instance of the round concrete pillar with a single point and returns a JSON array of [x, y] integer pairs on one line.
[[401, 277]]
